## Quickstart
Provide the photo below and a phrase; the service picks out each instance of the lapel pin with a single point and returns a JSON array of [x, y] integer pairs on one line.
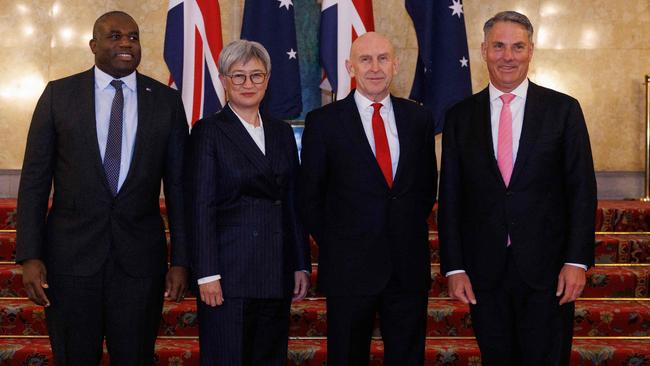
[[147, 89]]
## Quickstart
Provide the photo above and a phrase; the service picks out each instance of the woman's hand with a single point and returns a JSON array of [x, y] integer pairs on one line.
[[211, 293]]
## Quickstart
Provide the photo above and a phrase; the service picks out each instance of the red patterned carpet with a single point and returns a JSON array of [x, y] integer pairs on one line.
[[612, 319]]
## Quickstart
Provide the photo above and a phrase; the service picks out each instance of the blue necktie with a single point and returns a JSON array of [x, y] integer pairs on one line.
[[113, 153]]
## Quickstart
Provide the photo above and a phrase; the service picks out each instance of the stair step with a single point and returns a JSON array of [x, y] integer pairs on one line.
[[609, 248], [312, 352], [602, 282], [623, 216], [446, 318]]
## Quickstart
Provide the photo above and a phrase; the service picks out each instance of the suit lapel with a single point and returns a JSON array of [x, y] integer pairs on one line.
[[232, 127], [271, 143], [143, 131], [404, 133], [86, 102], [349, 114], [484, 126], [533, 117]]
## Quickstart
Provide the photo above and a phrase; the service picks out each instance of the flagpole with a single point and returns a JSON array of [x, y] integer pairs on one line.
[[646, 196]]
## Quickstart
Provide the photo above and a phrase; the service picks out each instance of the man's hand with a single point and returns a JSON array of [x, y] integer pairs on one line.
[[460, 288], [35, 280], [570, 282], [301, 280], [211, 293], [176, 283]]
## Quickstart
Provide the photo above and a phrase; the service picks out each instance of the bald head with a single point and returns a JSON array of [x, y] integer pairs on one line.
[[373, 64], [371, 40]]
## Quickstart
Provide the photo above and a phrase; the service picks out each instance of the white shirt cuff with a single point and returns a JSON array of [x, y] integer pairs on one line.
[[454, 272], [577, 265], [204, 280]]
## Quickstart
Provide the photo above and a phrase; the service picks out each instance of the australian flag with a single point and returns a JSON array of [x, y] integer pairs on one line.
[[442, 75], [271, 23]]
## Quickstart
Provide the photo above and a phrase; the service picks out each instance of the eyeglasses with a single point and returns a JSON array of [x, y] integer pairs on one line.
[[240, 79]]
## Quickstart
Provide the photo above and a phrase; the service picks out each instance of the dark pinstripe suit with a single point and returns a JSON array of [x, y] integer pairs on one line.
[[244, 228]]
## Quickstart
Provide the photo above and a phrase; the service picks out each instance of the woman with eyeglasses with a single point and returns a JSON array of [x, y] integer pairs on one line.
[[250, 252]]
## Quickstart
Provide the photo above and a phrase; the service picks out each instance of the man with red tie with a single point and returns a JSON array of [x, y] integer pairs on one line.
[[517, 204], [368, 183]]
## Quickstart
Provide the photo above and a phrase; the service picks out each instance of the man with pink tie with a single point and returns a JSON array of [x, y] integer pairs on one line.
[[517, 203]]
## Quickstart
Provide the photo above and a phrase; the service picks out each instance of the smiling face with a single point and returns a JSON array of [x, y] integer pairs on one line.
[[246, 96], [507, 52], [373, 64], [116, 45]]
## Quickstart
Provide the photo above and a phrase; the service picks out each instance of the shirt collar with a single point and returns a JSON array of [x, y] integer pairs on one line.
[[103, 80], [364, 103], [519, 91], [247, 124]]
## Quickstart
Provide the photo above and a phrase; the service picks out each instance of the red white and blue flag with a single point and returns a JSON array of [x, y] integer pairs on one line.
[[192, 45], [342, 21]]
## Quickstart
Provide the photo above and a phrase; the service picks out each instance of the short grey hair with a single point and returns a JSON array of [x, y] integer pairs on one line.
[[242, 51], [509, 16]]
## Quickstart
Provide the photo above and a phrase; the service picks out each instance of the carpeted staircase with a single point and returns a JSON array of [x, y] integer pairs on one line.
[[612, 320]]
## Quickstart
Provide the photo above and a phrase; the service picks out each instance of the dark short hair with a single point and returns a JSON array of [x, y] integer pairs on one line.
[[104, 16], [509, 16]]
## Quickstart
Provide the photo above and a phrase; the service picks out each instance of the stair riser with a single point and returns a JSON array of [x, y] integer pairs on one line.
[[314, 352], [446, 318]]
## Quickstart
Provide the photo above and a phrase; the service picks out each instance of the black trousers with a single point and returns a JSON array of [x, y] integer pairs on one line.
[[402, 317], [244, 332], [520, 326], [111, 304]]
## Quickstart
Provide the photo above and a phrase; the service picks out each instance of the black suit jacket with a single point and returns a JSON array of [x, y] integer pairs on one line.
[[242, 206], [548, 209], [366, 231], [85, 220]]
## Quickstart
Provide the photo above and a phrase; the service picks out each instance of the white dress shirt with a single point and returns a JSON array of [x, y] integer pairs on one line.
[[517, 106], [104, 94], [364, 105]]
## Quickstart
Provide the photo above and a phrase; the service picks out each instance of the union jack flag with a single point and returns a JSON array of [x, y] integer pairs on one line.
[[192, 45], [342, 21]]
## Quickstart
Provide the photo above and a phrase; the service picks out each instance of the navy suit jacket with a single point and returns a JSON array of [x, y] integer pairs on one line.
[[549, 207], [86, 222], [242, 207], [367, 232]]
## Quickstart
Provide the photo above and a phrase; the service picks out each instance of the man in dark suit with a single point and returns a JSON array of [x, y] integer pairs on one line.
[[368, 183], [97, 261], [517, 205]]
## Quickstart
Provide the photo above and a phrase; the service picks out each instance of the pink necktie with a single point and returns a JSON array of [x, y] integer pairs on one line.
[[382, 151], [504, 145]]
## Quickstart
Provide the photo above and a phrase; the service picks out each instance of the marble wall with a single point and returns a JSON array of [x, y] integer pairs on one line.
[[595, 50]]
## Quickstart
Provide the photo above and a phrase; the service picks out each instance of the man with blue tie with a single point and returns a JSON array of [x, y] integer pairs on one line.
[[104, 139], [517, 203]]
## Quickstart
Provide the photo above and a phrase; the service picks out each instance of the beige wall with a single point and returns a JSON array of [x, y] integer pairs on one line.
[[595, 50]]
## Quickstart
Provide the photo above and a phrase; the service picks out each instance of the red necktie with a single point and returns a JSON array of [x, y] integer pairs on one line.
[[382, 152]]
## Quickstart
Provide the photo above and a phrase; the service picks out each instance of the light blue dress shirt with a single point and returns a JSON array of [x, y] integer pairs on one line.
[[104, 93]]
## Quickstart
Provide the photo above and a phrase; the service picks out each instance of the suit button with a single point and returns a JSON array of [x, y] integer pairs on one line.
[[255, 233], [508, 193], [393, 197], [277, 202]]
